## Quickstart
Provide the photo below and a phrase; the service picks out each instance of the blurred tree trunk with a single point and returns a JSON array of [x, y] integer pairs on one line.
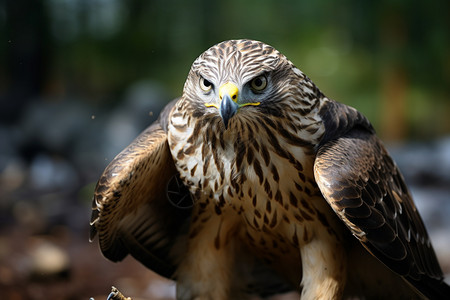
[[394, 37], [27, 55], [394, 104]]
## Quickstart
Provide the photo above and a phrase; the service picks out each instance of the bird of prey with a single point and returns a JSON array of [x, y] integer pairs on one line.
[[254, 182]]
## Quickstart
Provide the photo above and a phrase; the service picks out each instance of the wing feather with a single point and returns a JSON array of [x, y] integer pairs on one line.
[[130, 211], [365, 188]]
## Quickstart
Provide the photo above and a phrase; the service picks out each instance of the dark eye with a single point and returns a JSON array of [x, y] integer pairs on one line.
[[205, 84], [259, 83]]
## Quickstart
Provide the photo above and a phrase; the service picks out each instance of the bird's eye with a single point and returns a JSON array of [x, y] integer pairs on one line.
[[205, 84], [258, 83]]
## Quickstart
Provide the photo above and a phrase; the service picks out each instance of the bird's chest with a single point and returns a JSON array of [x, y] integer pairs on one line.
[[258, 185], [266, 186]]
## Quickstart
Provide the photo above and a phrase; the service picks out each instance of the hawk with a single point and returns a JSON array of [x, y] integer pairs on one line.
[[255, 183]]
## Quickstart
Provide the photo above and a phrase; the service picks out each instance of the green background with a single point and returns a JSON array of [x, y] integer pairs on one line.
[[389, 59]]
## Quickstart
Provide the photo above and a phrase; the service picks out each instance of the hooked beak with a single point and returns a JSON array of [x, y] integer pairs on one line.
[[228, 109], [228, 94], [229, 102]]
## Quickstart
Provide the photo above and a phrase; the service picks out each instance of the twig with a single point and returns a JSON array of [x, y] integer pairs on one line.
[[116, 295]]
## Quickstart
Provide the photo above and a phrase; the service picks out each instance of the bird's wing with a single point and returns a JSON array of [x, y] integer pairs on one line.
[[366, 190], [138, 207]]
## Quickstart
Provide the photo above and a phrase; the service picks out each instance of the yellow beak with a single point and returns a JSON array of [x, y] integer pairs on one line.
[[228, 94]]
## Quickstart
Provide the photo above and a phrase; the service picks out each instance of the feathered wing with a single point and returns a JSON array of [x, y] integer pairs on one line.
[[365, 188], [131, 211]]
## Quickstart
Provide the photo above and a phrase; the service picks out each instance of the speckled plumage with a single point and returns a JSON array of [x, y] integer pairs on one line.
[[275, 192]]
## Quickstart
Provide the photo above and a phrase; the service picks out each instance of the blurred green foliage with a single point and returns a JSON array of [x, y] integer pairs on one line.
[[389, 59]]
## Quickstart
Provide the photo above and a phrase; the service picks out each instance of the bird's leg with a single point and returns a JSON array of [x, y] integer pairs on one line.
[[205, 272], [324, 267]]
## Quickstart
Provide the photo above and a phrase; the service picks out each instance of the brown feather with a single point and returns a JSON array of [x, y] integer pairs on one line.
[[366, 190], [131, 211]]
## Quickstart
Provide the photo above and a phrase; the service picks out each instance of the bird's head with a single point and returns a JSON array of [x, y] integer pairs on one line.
[[240, 76]]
